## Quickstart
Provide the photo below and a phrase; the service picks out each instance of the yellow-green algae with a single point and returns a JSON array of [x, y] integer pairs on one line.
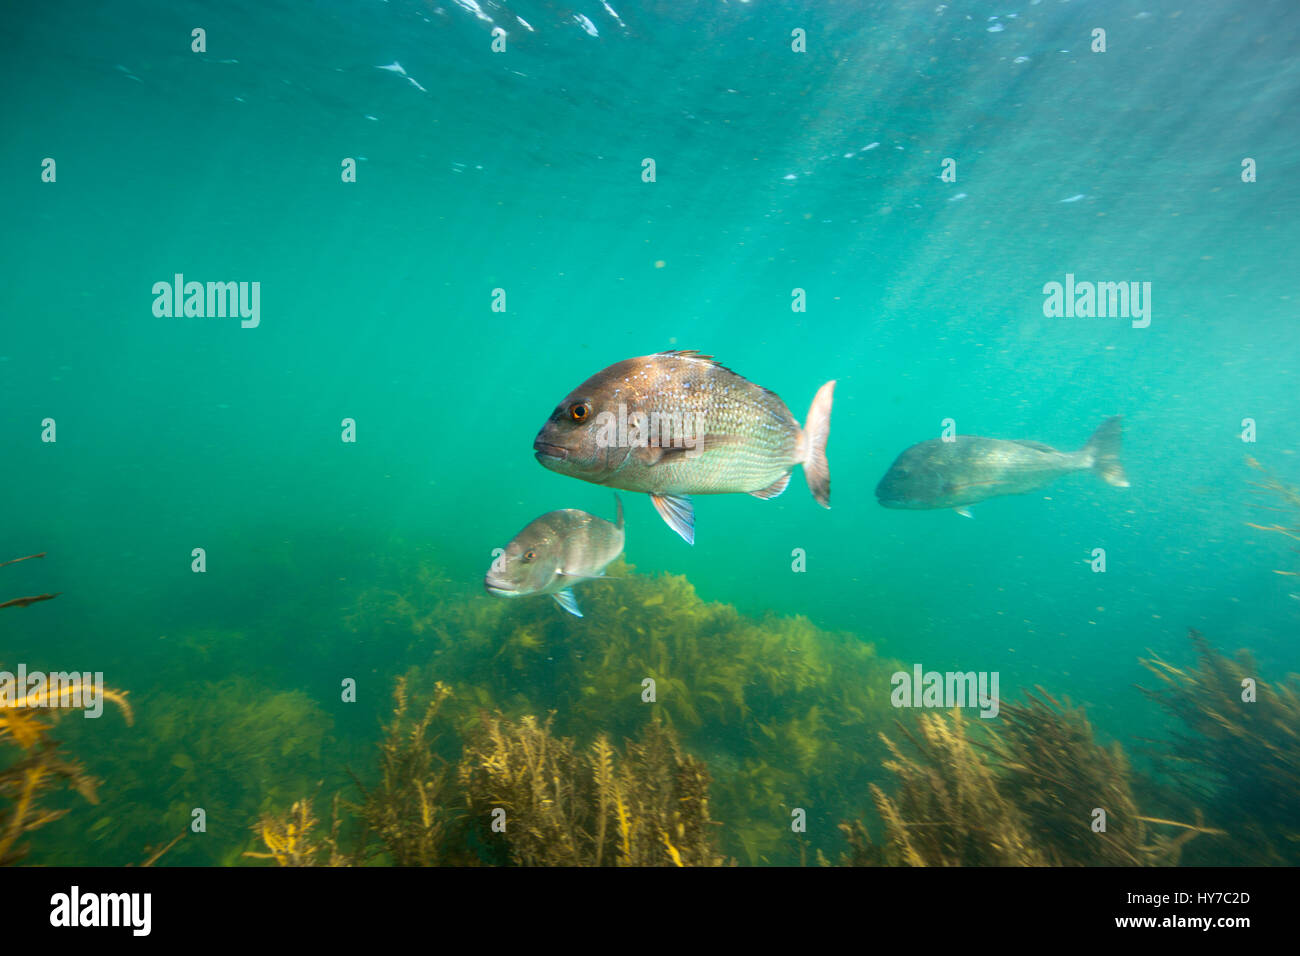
[[521, 796], [232, 748], [786, 714], [753, 718]]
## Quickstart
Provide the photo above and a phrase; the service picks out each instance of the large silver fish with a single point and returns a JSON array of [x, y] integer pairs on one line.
[[553, 553], [956, 474], [676, 424]]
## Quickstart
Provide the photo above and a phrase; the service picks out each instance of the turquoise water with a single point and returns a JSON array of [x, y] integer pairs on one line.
[[522, 170]]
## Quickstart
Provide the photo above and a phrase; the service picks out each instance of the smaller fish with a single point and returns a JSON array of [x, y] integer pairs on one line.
[[554, 552], [26, 601], [956, 474]]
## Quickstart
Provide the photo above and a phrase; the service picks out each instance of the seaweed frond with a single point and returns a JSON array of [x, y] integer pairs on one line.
[[1283, 498], [949, 809], [405, 810], [538, 802], [1028, 795], [27, 725], [1059, 775], [1241, 754], [294, 839]]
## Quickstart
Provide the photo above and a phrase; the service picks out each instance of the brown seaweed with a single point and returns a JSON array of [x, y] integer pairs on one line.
[[406, 810], [1026, 795], [1241, 756], [40, 767], [1283, 498], [295, 838], [534, 796]]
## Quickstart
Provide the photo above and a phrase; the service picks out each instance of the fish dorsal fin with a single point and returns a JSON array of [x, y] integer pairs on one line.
[[1036, 445], [678, 512], [692, 354], [701, 357], [566, 600], [773, 490]]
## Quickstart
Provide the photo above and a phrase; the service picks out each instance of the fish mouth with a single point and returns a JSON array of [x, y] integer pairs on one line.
[[887, 497], [497, 590], [546, 450]]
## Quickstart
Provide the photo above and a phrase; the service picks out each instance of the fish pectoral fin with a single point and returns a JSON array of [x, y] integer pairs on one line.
[[773, 490], [678, 512], [566, 600], [648, 454], [667, 454], [964, 511]]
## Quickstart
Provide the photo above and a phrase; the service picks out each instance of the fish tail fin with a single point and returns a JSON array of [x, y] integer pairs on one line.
[[618, 521], [816, 431], [1103, 450]]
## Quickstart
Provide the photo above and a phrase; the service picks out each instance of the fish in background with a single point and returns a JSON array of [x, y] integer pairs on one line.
[[679, 423], [555, 552], [958, 473]]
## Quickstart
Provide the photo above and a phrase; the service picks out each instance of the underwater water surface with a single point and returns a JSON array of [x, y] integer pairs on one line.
[[446, 238]]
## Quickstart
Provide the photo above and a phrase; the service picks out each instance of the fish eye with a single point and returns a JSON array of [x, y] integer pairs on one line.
[[579, 411], [530, 554]]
